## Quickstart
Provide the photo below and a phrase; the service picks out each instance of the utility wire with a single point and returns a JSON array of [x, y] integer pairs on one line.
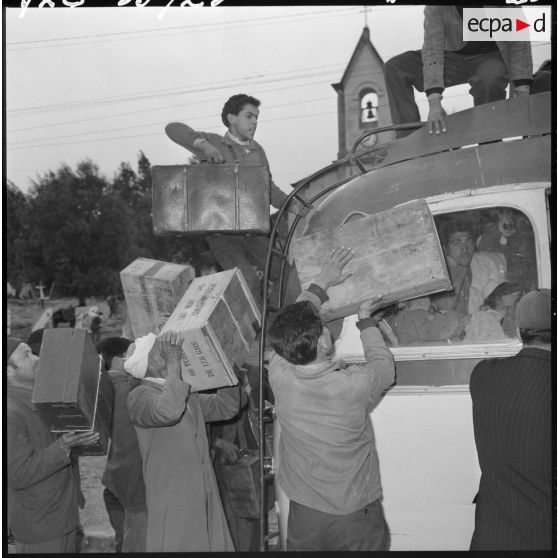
[[159, 123], [209, 129], [100, 37], [199, 28], [200, 88]]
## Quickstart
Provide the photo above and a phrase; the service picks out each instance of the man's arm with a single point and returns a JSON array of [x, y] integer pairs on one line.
[[148, 408], [193, 141], [433, 66], [28, 465], [330, 274], [379, 360], [223, 405]]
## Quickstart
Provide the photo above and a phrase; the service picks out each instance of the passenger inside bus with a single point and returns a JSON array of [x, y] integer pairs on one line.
[[491, 259], [419, 322], [496, 320], [508, 231]]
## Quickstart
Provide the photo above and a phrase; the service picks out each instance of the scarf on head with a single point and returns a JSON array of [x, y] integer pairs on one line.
[[138, 355]]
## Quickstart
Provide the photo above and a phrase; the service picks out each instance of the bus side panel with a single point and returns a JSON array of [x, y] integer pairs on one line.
[[429, 467]]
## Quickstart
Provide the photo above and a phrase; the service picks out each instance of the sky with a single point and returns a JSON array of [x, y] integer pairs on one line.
[[102, 83]]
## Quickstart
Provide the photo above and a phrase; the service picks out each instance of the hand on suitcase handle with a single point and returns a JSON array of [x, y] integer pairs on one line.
[[211, 152]]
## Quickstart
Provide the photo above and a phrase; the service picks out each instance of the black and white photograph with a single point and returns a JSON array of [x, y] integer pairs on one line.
[[279, 277]]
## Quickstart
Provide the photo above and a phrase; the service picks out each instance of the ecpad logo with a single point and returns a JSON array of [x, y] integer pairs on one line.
[[531, 23]]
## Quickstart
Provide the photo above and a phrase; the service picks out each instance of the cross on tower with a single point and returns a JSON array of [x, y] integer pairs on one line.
[[365, 12]]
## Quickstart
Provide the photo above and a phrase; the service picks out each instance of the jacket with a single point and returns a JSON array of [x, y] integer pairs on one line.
[[184, 511], [253, 154], [327, 458], [123, 474], [44, 495], [443, 30]]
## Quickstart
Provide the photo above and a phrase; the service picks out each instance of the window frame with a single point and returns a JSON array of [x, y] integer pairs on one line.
[[529, 199], [362, 95]]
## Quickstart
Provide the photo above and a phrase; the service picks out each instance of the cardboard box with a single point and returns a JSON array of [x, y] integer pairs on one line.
[[397, 255], [152, 290], [218, 320], [207, 198], [67, 381]]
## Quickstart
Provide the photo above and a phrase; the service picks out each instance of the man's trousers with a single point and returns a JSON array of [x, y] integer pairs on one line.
[[486, 74]]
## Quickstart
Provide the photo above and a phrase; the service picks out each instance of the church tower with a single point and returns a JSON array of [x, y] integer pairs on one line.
[[362, 102]]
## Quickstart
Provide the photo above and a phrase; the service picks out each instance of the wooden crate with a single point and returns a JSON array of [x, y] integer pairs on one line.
[[218, 320], [152, 290], [207, 198], [397, 255], [67, 381]]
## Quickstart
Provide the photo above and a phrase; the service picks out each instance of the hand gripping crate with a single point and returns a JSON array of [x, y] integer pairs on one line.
[[152, 290], [218, 321], [397, 254], [210, 198]]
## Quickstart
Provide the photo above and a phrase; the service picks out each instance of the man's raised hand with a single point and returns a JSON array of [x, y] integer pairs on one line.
[[370, 308], [332, 268]]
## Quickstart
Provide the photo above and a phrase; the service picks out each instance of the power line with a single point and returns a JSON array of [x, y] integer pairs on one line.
[[200, 88], [79, 134], [199, 28], [213, 128]]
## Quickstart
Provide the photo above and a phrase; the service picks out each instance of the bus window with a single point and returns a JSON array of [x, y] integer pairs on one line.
[[491, 258]]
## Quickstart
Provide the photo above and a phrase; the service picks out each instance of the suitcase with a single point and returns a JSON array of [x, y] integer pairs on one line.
[[210, 198], [397, 255], [67, 380], [241, 481], [218, 321], [152, 290]]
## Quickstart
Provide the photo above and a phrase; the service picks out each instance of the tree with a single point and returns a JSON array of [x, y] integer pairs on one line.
[[136, 189], [17, 207], [80, 234]]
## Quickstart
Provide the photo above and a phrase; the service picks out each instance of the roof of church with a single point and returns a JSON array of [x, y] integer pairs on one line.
[[363, 42]]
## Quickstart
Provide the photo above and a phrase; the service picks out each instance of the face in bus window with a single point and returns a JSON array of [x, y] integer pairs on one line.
[[460, 247]]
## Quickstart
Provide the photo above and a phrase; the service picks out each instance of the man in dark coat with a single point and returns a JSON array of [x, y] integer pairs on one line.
[[44, 495], [512, 417], [124, 493]]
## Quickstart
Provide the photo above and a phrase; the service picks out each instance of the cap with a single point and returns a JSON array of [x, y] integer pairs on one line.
[[13, 344], [534, 311]]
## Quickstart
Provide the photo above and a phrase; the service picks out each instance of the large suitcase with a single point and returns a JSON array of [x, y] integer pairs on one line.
[[152, 290], [218, 321], [210, 198], [397, 254]]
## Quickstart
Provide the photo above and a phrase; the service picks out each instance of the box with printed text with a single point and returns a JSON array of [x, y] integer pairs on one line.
[[152, 290], [218, 321]]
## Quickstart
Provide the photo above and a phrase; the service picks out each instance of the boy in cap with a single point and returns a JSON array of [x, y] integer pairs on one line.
[[44, 495], [184, 511], [512, 418]]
